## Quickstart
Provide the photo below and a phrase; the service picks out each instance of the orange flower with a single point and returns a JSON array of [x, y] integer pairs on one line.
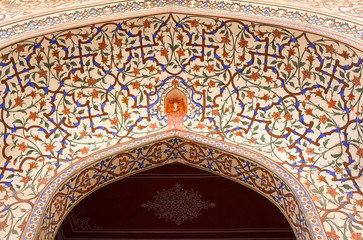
[[83, 134], [250, 94], [291, 52], [119, 56], [136, 71], [225, 39], [58, 68], [114, 121], [359, 202], [118, 42], [91, 82], [332, 192], [33, 116], [306, 74], [211, 83], [331, 103], [20, 48], [243, 43], [150, 68], [147, 23], [43, 73], [309, 151], [95, 93], [49, 147], [194, 23], [69, 35], [125, 100], [265, 97], [153, 126], [254, 76], [210, 68], [252, 141], [292, 158], [276, 115], [269, 79], [323, 119], [277, 33], [102, 45], [330, 49], [180, 52], [126, 115], [164, 52], [309, 111], [196, 68], [135, 85], [84, 150], [310, 59], [356, 81], [321, 179], [288, 68], [351, 97], [66, 111], [18, 102], [33, 165], [22, 146], [160, 38]]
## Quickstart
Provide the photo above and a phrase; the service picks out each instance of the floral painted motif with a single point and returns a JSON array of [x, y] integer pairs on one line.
[[20, 17], [178, 204], [166, 150], [294, 96]]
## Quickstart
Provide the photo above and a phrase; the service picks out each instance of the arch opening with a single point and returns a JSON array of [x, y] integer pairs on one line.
[[247, 168], [175, 201]]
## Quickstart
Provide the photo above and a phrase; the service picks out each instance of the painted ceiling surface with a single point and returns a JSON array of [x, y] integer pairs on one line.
[[342, 17], [294, 96]]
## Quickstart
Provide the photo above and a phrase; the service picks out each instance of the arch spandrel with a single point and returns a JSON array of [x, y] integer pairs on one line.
[[248, 168], [291, 95]]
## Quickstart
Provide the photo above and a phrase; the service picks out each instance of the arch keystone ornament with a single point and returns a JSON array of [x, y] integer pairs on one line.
[[246, 167], [175, 107]]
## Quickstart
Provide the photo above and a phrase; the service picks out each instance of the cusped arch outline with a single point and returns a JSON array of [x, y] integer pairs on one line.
[[245, 166]]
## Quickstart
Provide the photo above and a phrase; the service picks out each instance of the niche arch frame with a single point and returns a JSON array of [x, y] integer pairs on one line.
[[165, 148]]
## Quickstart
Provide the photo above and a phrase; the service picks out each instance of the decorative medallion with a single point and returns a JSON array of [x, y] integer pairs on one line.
[[178, 204]]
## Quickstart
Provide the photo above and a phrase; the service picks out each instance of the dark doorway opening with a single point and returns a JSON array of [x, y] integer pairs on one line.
[[175, 201]]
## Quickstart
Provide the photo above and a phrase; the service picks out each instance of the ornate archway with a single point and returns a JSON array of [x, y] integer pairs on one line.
[[275, 88], [246, 167]]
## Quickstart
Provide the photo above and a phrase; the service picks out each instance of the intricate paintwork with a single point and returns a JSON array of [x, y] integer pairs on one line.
[[264, 10], [72, 186], [17, 9], [294, 96], [178, 204]]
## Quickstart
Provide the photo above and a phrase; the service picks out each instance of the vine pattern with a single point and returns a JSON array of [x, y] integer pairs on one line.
[[295, 96]]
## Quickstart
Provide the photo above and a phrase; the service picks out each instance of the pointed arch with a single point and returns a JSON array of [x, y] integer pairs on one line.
[[236, 163]]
